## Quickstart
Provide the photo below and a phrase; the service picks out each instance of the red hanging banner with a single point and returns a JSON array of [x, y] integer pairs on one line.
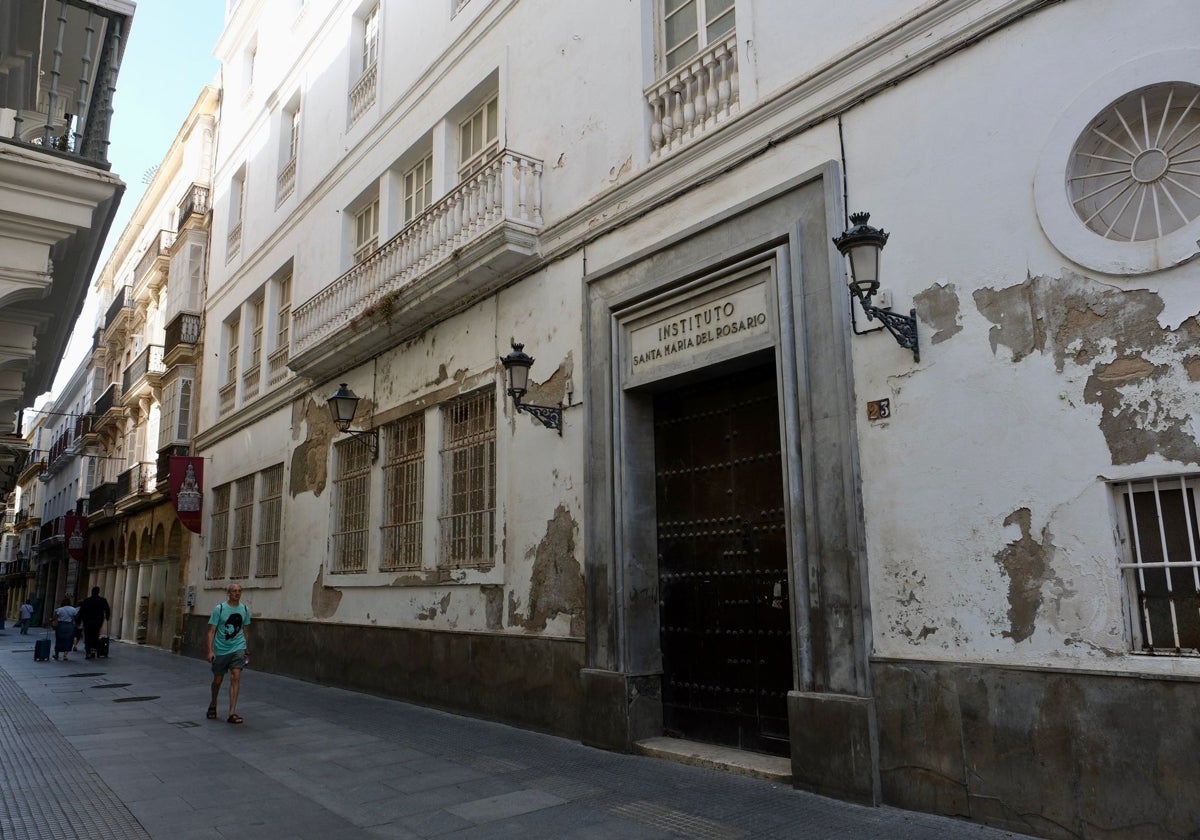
[[75, 529], [187, 490]]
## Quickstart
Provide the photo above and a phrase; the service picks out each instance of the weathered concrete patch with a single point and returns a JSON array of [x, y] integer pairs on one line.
[[325, 599], [557, 581], [1147, 409], [938, 307], [311, 456], [1027, 564]]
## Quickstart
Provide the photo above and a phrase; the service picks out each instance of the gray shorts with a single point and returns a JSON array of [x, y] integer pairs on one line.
[[227, 662]]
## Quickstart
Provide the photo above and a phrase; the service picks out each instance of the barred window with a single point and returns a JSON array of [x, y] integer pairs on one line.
[[1161, 568], [243, 521], [351, 493], [404, 493], [270, 518], [468, 453], [220, 533]]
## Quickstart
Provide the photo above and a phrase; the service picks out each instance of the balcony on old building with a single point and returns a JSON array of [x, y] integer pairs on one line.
[[193, 207], [143, 374], [694, 98], [151, 272], [101, 496], [135, 481], [109, 410], [470, 243], [183, 334], [163, 467], [59, 64], [119, 310]]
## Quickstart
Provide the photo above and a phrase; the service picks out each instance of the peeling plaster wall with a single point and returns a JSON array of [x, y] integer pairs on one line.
[[535, 586], [990, 523]]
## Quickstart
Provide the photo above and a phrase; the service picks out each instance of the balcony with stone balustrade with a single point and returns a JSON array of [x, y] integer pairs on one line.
[[470, 243], [694, 98]]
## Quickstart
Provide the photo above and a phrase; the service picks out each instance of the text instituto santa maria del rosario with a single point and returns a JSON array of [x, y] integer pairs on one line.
[[730, 318]]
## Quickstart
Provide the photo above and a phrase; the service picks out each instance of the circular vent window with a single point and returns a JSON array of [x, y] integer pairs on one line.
[[1135, 171], [1118, 183]]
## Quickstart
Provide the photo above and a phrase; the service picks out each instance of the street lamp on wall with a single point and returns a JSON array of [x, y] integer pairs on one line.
[[342, 404], [860, 245], [517, 365]]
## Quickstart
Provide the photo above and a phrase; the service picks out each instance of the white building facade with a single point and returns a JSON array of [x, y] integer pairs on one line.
[[911, 570], [144, 368]]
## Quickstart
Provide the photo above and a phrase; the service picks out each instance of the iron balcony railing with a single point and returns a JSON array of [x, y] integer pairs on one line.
[[134, 480], [163, 470], [61, 67], [183, 329], [108, 400], [159, 247], [193, 203], [149, 361], [121, 301], [101, 495]]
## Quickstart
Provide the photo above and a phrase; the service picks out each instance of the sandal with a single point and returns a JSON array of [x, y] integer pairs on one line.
[[235, 719], [212, 713]]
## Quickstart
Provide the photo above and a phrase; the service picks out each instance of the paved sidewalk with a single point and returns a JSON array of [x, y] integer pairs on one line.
[[120, 748]]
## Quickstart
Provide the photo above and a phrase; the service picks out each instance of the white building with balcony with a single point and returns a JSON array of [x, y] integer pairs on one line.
[[956, 571], [58, 73]]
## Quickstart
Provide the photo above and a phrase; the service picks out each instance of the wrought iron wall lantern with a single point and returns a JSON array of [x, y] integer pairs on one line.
[[861, 245], [517, 364], [342, 404]]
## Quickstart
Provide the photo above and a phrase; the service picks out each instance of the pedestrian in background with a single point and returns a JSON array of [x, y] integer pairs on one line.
[[26, 616], [64, 629], [78, 632], [93, 612], [228, 649]]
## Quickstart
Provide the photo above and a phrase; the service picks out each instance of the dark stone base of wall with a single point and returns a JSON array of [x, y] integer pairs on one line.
[[833, 745], [519, 680], [1056, 754]]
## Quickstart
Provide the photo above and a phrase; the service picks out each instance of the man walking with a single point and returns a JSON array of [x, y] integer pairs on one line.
[[26, 616], [228, 649], [93, 612]]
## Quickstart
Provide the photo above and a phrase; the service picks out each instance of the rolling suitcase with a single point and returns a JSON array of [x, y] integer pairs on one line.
[[102, 647], [41, 650]]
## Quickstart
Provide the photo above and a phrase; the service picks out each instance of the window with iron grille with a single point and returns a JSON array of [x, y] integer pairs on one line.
[[1161, 536], [688, 26], [404, 493], [477, 138], [270, 518], [351, 493], [243, 527], [468, 455], [220, 533]]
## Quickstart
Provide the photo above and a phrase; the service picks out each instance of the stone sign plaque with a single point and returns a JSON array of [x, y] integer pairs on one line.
[[719, 323]]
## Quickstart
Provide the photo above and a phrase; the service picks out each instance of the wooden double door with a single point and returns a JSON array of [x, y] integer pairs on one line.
[[723, 586]]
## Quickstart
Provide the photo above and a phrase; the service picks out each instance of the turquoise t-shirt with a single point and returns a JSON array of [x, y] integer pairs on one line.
[[229, 622]]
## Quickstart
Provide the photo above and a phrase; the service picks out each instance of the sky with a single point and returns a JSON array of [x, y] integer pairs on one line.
[[167, 61]]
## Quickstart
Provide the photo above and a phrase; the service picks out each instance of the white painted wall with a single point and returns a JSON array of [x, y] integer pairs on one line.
[[945, 159]]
